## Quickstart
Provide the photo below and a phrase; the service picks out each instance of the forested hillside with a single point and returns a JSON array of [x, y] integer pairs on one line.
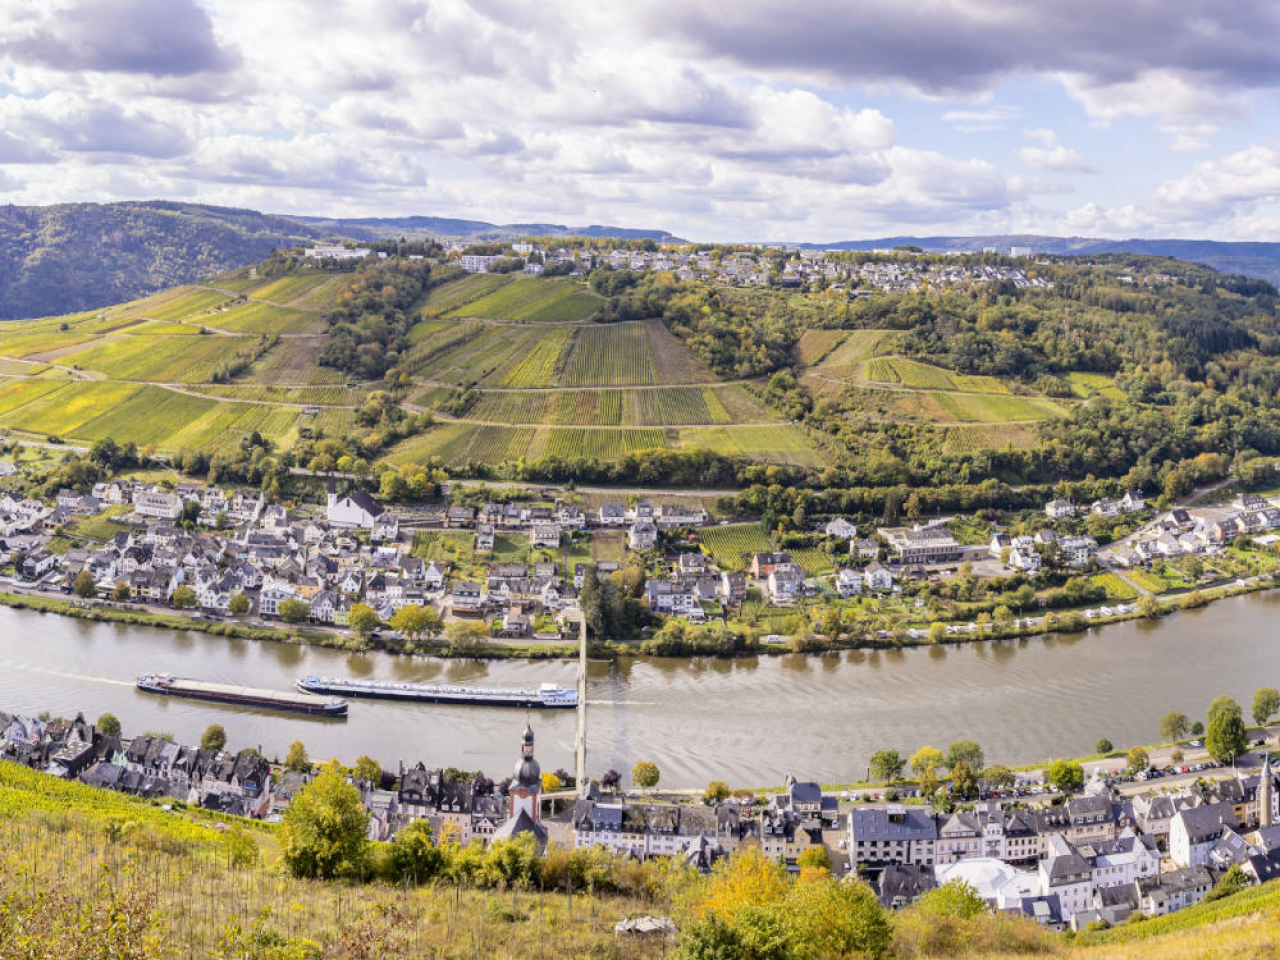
[[80, 256]]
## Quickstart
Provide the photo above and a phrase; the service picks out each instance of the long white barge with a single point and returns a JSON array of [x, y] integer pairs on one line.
[[546, 695]]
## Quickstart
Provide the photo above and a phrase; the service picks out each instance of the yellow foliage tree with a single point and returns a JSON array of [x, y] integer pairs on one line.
[[746, 879]]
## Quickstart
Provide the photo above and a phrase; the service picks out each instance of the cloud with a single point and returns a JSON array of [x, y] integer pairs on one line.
[[1229, 197], [165, 38], [1051, 155], [981, 120]]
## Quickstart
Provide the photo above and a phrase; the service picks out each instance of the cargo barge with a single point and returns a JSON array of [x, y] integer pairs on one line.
[[286, 701], [546, 695]]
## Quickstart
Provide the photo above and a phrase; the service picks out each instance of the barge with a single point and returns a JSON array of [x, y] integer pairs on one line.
[[287, 701], [546, 695]]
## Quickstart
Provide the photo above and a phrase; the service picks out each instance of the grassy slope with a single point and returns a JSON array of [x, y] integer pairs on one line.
[[64, 840]]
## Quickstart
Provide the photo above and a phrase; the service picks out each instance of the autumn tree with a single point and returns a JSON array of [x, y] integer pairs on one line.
[[645, 774], [1173, 726], [296, 759], [325, 828], [214, 737]]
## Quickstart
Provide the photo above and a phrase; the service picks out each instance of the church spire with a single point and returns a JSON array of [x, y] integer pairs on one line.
[[1266, 791]]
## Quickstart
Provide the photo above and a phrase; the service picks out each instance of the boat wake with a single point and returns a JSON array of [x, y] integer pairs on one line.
[[28, 668]]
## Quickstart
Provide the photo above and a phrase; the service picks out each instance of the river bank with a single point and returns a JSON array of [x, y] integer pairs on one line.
[[958, 632]]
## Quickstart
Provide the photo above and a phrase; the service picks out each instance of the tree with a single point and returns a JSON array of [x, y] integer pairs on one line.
[[84, 585], [1066, 776], [108, 725], [184, 597], [1176, 757], [963, 782], [645, 774], [998, 776], [611, 780], [293, 610], [239, 604], [296, 759], [937, 632], [368, 770], [414, 621], [362, 620], [325, 827], [466, 637], [1266, 702], [1138, 760], [965, 751], [927, 760], [1227, 737], [716, 791], [815, 857], [1197, 729], [887, 765], [1103, 746], [1173, 726], [414, 853], [1147, 607], [214, 737], [120, 592], [551, 782], [1222, 706]]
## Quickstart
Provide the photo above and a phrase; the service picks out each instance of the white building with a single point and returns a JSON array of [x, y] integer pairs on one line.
[[356, 509], [157, 503]]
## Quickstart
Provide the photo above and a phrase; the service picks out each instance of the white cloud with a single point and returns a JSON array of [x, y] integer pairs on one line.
[[1051, 155]]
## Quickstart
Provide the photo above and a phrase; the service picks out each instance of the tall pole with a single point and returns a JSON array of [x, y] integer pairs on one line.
[[580, 773]]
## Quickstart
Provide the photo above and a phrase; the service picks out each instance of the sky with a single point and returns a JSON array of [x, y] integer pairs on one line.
[[818, 121]]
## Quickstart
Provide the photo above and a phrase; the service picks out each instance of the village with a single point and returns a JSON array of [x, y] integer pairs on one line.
[[514, 567], [1066, 856]]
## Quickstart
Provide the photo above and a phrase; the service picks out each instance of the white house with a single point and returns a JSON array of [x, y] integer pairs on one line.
[[1193, 832], [849, 583], [643, 535], [878, 578], [842, 528], [356, 509], [1057, 509], [1023, 559]]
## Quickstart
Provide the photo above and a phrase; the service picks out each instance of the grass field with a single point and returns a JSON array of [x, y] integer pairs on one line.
[[925, 376], [731, 546], [1088, 385], [554, 300], [101, 526], [294, 362], [325, 396], [259, 317], [163, 359], [814, 345], [456, 293], [180, 304], [770, 444], [1116, 588], [292, 287], [962, 440], [970, 406], [846, 357]]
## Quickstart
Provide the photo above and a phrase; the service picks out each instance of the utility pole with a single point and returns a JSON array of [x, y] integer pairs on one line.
[[580, 745]]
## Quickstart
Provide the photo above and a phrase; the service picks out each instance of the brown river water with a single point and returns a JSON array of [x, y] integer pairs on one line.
[[748, 721]]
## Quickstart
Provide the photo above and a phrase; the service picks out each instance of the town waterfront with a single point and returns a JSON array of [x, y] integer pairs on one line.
[[749, 720]]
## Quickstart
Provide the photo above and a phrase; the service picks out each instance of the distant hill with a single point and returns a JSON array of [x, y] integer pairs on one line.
[[373, 228], [1253, 259], [81, 256]]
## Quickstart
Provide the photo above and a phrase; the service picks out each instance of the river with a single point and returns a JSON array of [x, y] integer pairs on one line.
[[748, 721]]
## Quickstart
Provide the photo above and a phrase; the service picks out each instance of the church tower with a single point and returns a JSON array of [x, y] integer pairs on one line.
[[524, 797], [526, 782]]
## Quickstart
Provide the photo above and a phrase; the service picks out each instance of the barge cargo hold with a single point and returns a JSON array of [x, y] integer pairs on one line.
[[546, 695], [226, 693]]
